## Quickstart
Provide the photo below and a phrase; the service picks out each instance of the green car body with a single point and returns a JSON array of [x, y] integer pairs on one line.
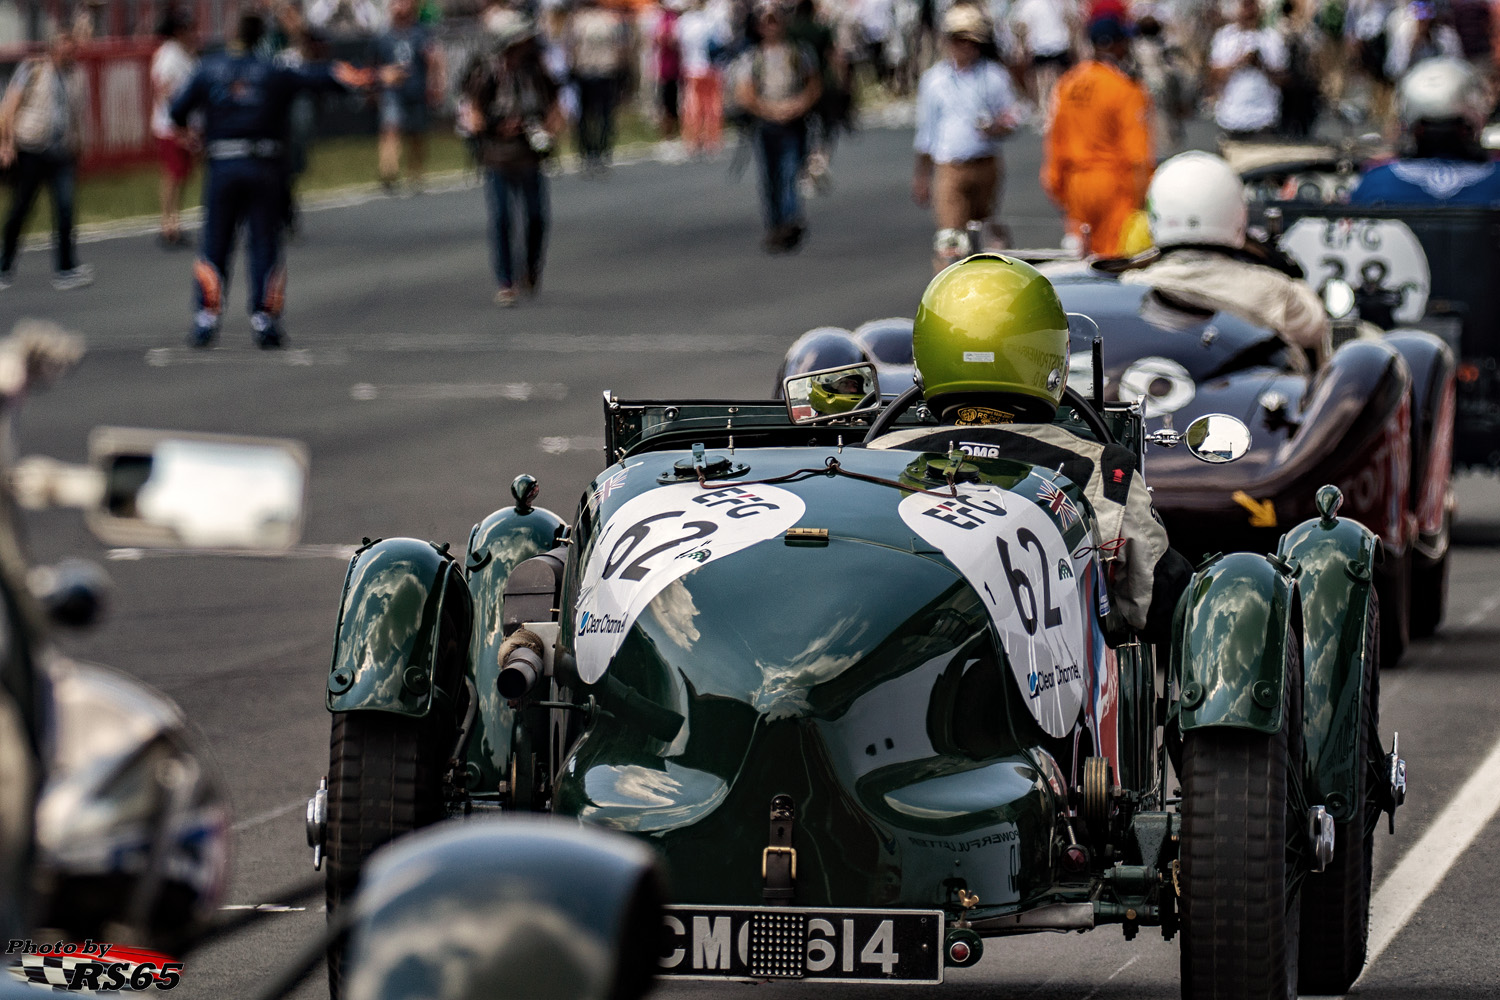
[[847, 663]]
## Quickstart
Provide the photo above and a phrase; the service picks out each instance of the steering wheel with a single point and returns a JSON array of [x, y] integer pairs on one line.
[[1090, 416], [1085, 410], [886, 417]]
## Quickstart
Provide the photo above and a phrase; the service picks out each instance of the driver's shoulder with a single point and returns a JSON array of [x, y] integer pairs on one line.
[[943, 437]]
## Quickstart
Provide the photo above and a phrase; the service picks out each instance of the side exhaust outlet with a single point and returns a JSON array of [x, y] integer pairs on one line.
[[521, 658]]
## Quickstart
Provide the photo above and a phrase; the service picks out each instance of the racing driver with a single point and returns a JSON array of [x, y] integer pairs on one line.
[[1196, 210], [990, 345], [1442, 104]]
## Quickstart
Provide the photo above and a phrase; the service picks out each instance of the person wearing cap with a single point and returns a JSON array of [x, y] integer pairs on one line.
[[965, 106], [513, 111], [780, 85], [1097, 157]]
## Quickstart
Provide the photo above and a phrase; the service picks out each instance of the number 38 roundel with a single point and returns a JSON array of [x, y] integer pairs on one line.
[[660, 536], [1014, 557]]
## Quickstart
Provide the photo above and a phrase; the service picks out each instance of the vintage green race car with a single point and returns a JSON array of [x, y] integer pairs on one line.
[[871, 706]]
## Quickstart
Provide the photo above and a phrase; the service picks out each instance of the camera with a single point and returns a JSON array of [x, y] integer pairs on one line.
[[539, 139]]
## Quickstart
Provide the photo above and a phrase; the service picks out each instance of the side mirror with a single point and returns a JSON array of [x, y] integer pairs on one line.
[[1217, 438], [832, 394], [569, 911], [1338, 298], [164, 488]]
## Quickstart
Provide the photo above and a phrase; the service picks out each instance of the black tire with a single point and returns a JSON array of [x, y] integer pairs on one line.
[[1240, 932], [384, 780], [1397, 602], [1429, 596], [1336, 902]]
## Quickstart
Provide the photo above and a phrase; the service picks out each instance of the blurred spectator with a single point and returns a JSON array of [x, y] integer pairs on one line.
[[700, 32], [877, 25], [1299, 89], [345, 17], [1044, 30], [1365, 31], [41, 129], [515, 114], [831, 113], [778, 89], [1417, 32], [597, 45], [1098, 156], [1247, 67], [411, 79], [1477, 22], [290, 45], [1160, 65], [171, 66], [668, 68], [965, 106], [246, 100]]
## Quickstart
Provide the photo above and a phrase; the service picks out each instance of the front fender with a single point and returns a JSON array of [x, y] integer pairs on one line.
[[497, 545], [1337, 560], [1232, 635], [390, 631]]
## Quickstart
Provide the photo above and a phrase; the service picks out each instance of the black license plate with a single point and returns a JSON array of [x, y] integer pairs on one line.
[[784, 942]]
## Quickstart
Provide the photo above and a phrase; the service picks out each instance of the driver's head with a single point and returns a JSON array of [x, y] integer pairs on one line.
[[1196, 199], [990, 343], [1443, 105]]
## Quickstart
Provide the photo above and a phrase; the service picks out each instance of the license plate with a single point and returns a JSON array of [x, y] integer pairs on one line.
[[785, 942]]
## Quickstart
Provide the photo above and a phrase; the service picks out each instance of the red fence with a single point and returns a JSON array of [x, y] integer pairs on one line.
[[116, 77]]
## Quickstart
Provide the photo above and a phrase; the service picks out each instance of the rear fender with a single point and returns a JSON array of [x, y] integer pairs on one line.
[[1229, 659], [403, 632], [497, 545], [1336, 558], [1433, 399]]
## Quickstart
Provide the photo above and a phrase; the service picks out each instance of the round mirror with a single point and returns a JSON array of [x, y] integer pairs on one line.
[[1217, 438], [1338, 298]]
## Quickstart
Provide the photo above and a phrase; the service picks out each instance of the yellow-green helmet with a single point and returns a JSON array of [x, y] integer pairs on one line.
[[990, 332]]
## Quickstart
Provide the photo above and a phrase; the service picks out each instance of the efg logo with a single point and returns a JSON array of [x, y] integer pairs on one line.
[[597, 624]]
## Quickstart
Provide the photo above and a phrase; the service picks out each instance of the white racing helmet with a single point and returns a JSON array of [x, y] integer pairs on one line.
[[1442, 90], [1196, 198]]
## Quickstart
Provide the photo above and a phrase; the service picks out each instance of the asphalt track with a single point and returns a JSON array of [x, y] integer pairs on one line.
[[420, 401]]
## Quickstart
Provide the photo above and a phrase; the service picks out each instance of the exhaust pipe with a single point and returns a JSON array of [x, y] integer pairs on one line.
[[521, 657]]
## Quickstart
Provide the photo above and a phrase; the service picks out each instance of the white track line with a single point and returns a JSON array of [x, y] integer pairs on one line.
[[1128, 963], [1483, 611], [1428, 861], [267, 816]]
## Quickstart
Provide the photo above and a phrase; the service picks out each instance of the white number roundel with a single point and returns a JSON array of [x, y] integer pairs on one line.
[[660, 536], [1014, 557]]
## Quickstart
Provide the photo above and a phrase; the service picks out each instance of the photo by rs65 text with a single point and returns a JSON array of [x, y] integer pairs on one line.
[[91, 966]]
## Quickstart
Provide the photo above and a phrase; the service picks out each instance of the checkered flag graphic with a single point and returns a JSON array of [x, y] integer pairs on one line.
[[48, 970]]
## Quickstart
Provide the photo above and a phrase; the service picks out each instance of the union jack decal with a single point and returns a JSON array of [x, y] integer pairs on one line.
[[1057, 501], [611, 484]]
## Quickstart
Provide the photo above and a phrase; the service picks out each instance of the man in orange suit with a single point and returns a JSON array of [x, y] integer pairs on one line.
[[1097, 162]]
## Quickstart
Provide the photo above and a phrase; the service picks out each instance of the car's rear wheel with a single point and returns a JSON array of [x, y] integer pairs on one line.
[[1336, 902], [1240, 916], [384, 780], [1429, 593], [1397, 601]]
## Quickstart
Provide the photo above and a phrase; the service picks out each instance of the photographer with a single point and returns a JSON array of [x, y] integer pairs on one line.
[[1248, 65], [513, 107]]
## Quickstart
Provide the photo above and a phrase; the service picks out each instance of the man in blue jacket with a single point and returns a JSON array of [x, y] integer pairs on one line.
[[246, 100], [1443, 107]]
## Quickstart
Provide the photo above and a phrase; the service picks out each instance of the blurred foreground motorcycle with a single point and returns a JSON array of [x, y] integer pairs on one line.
[[114, 825]]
